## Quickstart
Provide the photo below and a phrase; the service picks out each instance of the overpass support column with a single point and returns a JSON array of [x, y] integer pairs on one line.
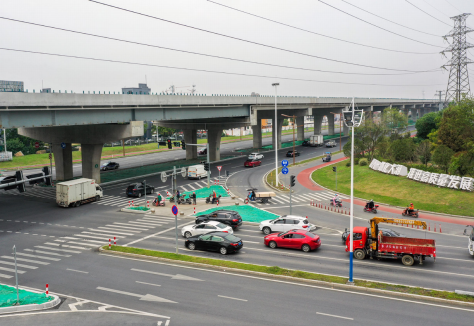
[[214, 139], [91, 154], [318, 121], [257, 134], [413, 114], [190, 136], [300, 128], [63, 162], [278, 125], [330, 124]]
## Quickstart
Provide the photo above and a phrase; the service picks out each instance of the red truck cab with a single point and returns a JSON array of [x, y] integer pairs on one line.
[[408, 250]]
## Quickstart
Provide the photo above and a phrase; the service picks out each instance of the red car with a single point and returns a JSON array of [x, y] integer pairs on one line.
[[252, 163], [295, 239]]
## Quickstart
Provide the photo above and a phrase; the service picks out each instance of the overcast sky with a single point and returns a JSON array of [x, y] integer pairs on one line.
[[312, 15]]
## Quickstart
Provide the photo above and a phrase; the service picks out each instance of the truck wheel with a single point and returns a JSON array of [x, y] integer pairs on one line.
[[78, 203], [97, 198], [359, 254], [408, 260]]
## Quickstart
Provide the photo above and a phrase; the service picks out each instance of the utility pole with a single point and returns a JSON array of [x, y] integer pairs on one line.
[[458, 83], [440, 94]]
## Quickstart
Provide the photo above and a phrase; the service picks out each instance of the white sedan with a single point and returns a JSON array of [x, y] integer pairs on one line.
[[255, 156], [205, 227]]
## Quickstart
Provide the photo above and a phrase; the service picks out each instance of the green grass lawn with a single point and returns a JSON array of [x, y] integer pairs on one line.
[[393, 190]]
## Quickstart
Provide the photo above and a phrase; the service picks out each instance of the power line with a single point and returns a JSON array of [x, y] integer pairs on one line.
[[248, 41], [429, 4], [452, 5], [201, 54], [315, 33], [427, 13], [199, 70], [371, 13], [408, 38]]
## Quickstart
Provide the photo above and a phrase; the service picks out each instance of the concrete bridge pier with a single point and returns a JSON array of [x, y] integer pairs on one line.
[[278, 126], [63, 161], [91, 154], [330, 117], [317, 121], [300, 128], [257, 134], [214, 138]]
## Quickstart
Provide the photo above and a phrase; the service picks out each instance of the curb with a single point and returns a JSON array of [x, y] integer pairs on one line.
[[388, 205], [294, 280], [32, 307]]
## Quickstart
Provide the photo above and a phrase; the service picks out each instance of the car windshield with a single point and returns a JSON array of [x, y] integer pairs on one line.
[[221, 225], [232, 238]]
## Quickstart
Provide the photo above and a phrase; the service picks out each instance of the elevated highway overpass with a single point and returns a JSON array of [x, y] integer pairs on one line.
[[94, 119]]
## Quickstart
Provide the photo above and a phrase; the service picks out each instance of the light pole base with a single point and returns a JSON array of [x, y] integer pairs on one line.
[[350, 283]]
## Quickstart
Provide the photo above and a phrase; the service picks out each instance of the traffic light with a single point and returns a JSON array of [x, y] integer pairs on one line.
[[47, 180], [19, 177], [183, 144], [334, 169], [292, 181], [169, 144], [207, 166]]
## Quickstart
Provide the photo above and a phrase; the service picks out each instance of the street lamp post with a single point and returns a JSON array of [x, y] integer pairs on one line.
[[352, 119], [275, 126]]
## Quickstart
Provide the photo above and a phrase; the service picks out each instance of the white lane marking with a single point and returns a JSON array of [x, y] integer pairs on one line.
[[11, 270], [73, 270], [129, 227], [64, 245], [27, 260], [62, 250], [105, 236], [19, 265], [5, 276], [148, 222], [92, 241], [463, 248], [82, 244], [134, 226], [307, 285], [40, 257], [147, 283], [223, 296], [158, 233], [335, 316], [109, 231], [144, 224], [115, 229]]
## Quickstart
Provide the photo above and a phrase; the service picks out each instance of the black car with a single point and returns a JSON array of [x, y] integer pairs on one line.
[[225, 216], [386, 232], [290, 153], [109, 166], [138, 189], [215, 241], [305, 143]]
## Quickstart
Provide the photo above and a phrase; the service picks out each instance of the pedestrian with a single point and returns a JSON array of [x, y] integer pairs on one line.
[[194, 198], [177, 196]]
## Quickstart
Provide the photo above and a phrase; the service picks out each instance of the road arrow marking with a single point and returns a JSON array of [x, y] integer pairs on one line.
[[174, 277], [146, 297]]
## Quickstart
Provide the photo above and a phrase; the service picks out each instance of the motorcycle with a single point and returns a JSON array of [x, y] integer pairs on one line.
[[155, 203], [184, 200], [212, 200], [371, 210], [414, 213], [338, 203]]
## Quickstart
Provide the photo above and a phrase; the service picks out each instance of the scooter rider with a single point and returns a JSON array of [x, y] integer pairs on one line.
[[336, 199], [411, 209], [370, 204], [214, 196], [178, 194], [253, 195]]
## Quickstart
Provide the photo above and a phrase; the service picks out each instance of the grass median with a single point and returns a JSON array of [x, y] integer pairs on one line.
[[275, 270], [396, 191]]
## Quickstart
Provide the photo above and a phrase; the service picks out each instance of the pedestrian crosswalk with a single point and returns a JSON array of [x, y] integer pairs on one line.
[[322, 196], [53, 251], [40, 192]]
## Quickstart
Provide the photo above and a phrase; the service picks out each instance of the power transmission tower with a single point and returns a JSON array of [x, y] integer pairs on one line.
[[458, 83]]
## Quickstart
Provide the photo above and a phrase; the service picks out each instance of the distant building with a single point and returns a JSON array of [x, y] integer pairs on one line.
[[254, 94], [142, 89], [46, 90], [11, 86]]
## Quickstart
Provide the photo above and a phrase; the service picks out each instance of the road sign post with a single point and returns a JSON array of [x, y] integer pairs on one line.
[[174, 210], [63, 145], [284, 170], [37, 145], [219, 168]]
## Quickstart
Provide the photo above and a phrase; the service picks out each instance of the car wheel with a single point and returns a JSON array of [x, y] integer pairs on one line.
[[116, 167], [272, 244], [139, 194], [187, 234], [359, 254], [306, 248], [223, 251], [408, 260], [266, 230], [191, 246], [97, 198]]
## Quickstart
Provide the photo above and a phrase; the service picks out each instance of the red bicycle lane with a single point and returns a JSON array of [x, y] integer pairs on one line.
[[304, 179]]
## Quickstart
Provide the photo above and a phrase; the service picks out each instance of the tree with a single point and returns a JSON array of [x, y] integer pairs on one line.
[[285, 122], [427, 123], [442, 156], [370, 133], [456, 127], [383, 147], [462, 164], [403, 150], [393, 119], [424, 151]]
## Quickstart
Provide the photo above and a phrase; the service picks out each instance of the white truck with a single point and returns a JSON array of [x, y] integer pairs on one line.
[[197, 172], [316, 140], [76, 192]]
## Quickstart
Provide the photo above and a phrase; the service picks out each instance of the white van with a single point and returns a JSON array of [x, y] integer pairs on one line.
[[197, 172]]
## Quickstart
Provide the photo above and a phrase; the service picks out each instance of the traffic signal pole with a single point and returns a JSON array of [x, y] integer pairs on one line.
[[209, 164]]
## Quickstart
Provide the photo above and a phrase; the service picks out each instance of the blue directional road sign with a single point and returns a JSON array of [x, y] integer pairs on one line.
[[284, 170], [174, 209], [63, 145], [284, 163]]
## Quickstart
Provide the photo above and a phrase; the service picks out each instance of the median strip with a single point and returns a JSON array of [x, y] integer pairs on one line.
[[328, 280]]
